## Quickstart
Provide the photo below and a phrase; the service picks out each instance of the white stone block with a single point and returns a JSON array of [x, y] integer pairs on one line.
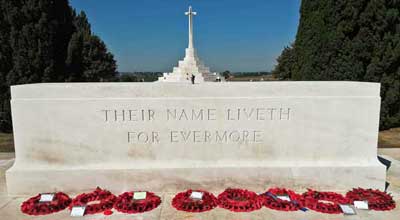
[[172, 136]]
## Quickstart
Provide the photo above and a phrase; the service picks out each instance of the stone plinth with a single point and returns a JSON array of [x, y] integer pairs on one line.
[[191, 64], [171, 137]]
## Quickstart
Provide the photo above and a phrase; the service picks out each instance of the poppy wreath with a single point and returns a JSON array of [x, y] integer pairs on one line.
[[183, 202], [377, 200], [282, 205], [105, 197], [240, 200], [126, 204], [312, 199], [32, 206]]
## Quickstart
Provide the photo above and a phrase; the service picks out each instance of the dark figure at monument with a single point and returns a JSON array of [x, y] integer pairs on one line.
[[193, 77]]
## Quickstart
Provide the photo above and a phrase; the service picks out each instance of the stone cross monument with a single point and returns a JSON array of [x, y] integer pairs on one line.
[[190, 14], [191, 64]]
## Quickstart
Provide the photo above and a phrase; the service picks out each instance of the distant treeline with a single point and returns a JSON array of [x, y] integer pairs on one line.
[[138, 76], [246, 74], [153, 76]]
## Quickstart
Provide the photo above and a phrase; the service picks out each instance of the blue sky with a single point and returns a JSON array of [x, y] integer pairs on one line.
[[235, 35]]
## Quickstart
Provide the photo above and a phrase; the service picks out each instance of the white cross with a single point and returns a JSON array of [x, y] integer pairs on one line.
[[190, 14]]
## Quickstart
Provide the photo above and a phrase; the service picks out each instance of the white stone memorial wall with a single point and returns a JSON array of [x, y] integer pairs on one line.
[[170, 137]]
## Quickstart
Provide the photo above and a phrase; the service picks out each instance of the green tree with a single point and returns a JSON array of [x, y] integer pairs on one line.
[[5, 63], [286, 64], [99, 64], [40, 32], [88, 57], [349, 40], [126, 77], [226, 74], [46, 41]]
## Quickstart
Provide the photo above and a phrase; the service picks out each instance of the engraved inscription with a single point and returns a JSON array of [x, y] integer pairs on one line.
[[208, 115]]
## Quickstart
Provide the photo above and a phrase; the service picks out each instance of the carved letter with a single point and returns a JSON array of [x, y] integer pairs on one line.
[[207, 136], [185, 135], [183, 113], [174, 136], [106, 114], [122, 114], [199, 116], [130, 136], [151, 114], [229, 114], [281, 115], [272, 112], [196, 136], [248, 114], [222, 138], [143, 137], [260, 114], [211, 114], [132, 114], [257, 137], [245, 136], [232, 136], [172, 114], [155, 138]]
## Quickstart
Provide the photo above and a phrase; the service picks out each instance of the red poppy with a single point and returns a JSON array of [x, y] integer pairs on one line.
[[126, 204], [183, 202], [240, 200], [325, 202], [105, 197], [377, 200], [32, 206], [273, 202]]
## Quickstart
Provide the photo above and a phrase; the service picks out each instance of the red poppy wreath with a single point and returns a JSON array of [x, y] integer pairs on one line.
[[126, 203], [273, 200], [325, 202], [240, 200], [183, 201], [105, 197], [33, 206], [377, 200]]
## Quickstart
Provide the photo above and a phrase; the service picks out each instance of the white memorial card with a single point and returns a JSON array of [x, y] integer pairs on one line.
[[284, 197], [78, 211], [139, 195], [46, 197], [361, 205], [347, 209], [196, 195]]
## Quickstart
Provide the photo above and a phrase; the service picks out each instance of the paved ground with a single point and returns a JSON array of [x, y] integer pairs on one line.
[[9, 206]]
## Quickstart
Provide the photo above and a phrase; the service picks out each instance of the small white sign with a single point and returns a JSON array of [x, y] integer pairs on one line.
[[46, 197], [196, 195], [78, 211], [139, 195], [361, 205], [284, 197], [347, 209]]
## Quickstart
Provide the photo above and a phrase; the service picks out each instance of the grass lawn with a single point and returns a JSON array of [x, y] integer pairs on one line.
[[6, 143], [387, 139]]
